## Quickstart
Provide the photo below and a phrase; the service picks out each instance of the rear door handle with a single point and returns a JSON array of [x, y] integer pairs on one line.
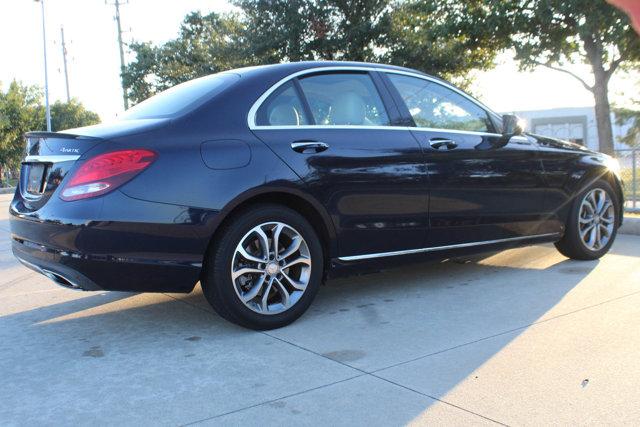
[[309, 147], [438, 143]]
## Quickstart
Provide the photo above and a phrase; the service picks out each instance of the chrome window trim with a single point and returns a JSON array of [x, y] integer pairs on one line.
[[355, 127], [442, 248], [49, 159], [251, 117]]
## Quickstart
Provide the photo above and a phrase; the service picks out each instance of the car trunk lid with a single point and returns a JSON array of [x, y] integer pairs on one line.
[[49, 158]]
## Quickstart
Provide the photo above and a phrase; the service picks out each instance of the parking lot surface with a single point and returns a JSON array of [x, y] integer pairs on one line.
[[523, 337]]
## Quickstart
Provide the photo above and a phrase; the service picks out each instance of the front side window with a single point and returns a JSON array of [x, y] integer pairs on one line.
[[344, 99], [435, 106]]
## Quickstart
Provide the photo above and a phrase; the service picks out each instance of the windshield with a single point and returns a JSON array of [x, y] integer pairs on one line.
[[180, 97]]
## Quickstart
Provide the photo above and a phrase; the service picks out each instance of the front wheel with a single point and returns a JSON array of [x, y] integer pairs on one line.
[[265, 268], [592, 224]]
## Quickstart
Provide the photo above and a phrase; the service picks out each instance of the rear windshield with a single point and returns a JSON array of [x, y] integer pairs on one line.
[[179, 98]]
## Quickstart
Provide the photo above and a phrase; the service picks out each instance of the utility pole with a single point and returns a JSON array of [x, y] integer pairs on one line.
[[116, 3], [46, 75], [64, 59]]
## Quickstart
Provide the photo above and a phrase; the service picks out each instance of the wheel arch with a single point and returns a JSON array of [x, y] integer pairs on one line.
[[592, 175], [292, 198]]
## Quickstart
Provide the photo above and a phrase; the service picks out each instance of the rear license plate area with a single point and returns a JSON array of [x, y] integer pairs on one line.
[[35, 178]]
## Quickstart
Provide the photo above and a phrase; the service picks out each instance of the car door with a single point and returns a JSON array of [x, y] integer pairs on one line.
[[335, 131], [479, 191]]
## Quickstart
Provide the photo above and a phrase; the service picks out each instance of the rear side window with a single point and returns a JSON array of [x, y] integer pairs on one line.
[[181, 97], [283, 108], [344, 99], [435, 106]]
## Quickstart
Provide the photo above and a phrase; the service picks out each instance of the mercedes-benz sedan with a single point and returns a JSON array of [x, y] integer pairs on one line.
[[258, 182]]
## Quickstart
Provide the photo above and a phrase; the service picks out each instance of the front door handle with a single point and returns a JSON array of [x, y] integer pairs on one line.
[[438, 143], [308, 147]]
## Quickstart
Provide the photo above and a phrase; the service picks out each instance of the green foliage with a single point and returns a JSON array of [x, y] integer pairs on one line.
[[21, 111], [69, 115], [631, 117], [556, 32], [299, 30], [206, 45], [446, 37]]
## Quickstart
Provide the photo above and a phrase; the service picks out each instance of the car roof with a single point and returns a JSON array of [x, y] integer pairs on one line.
[[287, 68]]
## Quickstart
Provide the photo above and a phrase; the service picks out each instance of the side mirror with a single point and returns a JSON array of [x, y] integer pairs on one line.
[[512, 125]]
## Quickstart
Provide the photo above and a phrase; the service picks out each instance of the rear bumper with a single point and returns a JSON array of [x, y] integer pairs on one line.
[[50, 264], [126, 245]]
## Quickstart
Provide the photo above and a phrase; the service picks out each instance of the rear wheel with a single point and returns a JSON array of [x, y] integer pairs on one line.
[[592, 224], [264, 269]]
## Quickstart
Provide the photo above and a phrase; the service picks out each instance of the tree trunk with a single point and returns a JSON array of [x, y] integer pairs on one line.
[[603, 117], [595, 54]]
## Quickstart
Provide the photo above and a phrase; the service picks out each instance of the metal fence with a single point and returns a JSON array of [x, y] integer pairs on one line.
[[630, 170]]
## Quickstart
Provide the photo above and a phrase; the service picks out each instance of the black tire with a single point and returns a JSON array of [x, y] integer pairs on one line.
[[571, 245], [219, 287]]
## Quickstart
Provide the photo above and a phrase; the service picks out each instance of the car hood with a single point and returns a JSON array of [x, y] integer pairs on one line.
[[560, 144], [119, 128]]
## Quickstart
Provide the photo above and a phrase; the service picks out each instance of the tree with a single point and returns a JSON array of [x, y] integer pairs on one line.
[[68, 115], [555, 33], [21, 111], [448, 38], [206, 45], [267, 31], [443, 37], [281, 30], [299, 30]]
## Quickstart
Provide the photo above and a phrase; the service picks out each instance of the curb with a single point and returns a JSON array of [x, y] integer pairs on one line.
[[630, 225], [7, 190]]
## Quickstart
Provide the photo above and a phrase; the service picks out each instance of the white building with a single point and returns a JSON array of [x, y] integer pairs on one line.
[[573, 124]]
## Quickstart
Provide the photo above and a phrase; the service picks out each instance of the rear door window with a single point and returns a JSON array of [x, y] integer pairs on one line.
[[339, 99]]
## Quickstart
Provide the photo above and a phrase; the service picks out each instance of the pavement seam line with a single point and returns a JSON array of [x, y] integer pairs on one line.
[[373, 373], [266, 402], [370, 374], [507, 332], [438, 400]]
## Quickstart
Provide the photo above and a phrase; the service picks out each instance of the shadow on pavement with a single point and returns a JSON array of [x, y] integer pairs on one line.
[[370, 323]]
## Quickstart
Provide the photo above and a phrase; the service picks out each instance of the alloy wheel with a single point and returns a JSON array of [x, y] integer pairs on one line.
[[271, 268], [596, 219]]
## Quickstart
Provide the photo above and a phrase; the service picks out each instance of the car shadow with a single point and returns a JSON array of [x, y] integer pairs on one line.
[[368, 322]]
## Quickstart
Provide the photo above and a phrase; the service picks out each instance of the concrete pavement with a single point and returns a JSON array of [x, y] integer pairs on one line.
[[524, 337]]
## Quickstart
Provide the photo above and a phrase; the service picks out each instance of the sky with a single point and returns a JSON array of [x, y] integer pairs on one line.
[[93, 59]]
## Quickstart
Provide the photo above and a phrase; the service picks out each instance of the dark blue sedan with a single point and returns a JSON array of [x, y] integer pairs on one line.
[[259, 182]]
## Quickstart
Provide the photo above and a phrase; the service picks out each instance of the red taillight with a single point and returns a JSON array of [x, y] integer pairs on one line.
[[106, 172]]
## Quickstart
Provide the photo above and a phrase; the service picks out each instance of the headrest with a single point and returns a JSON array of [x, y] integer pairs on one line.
[[348, 109]]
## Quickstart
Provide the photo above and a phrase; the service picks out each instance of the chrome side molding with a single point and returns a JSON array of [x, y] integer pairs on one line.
[[444, 248]]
